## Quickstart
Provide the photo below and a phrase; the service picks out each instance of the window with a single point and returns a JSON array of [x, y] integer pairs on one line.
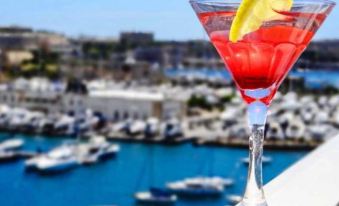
[[116, 115], [144, 116], [126, 116]]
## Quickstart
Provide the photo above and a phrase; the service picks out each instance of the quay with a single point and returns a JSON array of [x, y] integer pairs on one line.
[[269, 144], [154, 140]]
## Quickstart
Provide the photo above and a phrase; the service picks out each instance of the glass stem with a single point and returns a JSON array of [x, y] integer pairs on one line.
[[254, 193]]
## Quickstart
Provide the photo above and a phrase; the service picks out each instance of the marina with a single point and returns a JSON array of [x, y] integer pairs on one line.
[[99, 181], [130, 103]]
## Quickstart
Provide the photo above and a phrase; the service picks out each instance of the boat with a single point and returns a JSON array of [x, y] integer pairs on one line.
[[296, 129], [59, 159], [65, 125], [265, 160], [172, 130], [203, 186], [234, 199], [11, 144], [136, 127], [46, 125], [5, 115], [156, 197], [274, 131], [96, 149], [31, 125], [197, 188], [86, 122], [227, 116], [52, 165], [320, 132], [152, 128], [226, 182], [238, 131], [122, 126]]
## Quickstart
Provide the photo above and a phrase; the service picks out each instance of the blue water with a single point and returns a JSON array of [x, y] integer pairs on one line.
[[113, 182], [314, 79]]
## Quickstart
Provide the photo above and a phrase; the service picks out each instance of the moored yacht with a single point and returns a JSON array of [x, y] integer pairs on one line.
[[200, 187], [172, 129], [65, 126], [136, 127], [151, 128], [96, 149], [59, 159], [11, 144], [274, 131], [296, 129], [156, 197]]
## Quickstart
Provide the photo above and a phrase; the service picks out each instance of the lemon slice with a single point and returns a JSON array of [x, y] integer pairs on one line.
[[252, 13]]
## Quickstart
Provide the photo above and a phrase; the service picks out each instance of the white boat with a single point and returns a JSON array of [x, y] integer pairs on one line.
[[59, 159], [18, 118], [87, 121], [156, 197], [136, 127], [65, 125], [121, 126], [32, 122], [197, 188], [238, 131], [5, 115], [320, 132], [46, 125], [296, 129], [172, 129], [275, 131], [228, 117], [234, 199], [152, 127], [96, 149], [56, 164], [210, 180], [265, 160], [11, 144]]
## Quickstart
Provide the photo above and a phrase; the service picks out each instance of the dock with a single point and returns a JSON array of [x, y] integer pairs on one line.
[[268, 144], [152, 140]]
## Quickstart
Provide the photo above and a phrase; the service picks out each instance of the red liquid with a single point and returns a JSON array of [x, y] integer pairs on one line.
[[262, 59]]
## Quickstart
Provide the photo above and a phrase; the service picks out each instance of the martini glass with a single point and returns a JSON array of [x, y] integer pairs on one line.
[[259, 62]]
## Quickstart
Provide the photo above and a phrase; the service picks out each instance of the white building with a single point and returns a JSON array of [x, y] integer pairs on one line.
[[114, 103], [120, 104]]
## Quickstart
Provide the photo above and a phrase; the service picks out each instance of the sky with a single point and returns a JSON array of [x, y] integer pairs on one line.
[[168, 19]]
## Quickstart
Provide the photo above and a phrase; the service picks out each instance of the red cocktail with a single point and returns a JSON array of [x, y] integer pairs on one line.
[[259, 41]]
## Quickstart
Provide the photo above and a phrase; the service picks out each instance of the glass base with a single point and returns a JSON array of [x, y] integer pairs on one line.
[[242, 203]]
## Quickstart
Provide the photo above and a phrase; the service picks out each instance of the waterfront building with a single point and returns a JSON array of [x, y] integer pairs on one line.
[[136, 38], [113, 103], [124, 104], [22, 38]]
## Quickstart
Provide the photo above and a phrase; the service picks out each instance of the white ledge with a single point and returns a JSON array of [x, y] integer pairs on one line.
[[313, 181]]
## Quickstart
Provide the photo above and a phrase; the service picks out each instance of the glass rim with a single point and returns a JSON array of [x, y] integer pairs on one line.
[[324, 2]]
